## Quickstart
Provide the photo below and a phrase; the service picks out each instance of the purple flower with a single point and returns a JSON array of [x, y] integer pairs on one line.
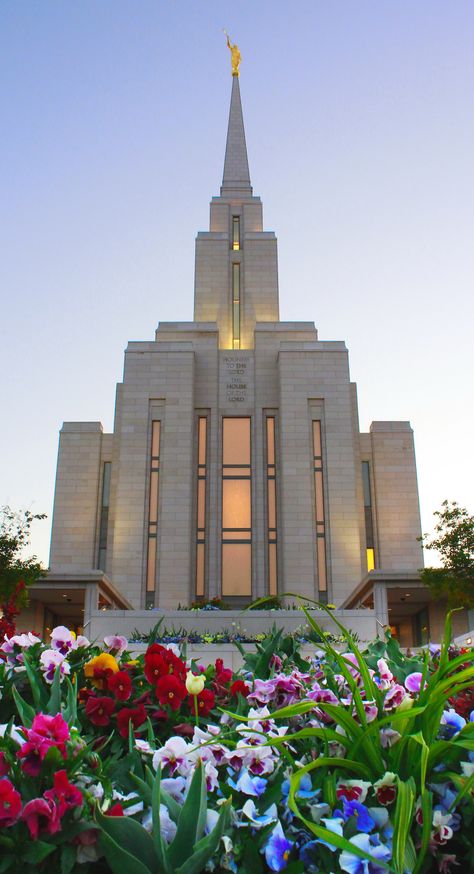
[[354, 865], [413, 682], [278, 849]]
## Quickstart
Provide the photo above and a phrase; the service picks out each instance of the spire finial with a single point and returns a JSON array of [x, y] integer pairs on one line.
[[234, 55]]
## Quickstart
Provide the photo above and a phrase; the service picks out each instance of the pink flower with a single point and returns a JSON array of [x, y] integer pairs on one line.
[[394, 697], [413, 682], [45, 732], [10, 804], [116, 644], [41, 814]]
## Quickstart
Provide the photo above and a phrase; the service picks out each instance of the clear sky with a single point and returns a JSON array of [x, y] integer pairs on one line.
[[360, 131]]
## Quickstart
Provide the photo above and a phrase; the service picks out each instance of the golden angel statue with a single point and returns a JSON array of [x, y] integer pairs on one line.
[[235, 55]]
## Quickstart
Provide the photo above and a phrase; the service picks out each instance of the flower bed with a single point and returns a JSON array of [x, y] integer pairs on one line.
[[337, 762]]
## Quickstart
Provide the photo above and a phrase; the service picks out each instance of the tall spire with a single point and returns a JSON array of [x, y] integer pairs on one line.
[[236, 179]]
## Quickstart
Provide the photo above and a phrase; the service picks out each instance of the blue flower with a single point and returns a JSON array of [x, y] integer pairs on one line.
[[354, 865], [452, 722], [333, 825], [258, 820], [305, 789], [364, 821], [248, 785], [278, 849]]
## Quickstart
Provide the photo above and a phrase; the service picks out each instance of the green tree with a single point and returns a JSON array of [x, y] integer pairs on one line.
[[454, 541], [16, 573]]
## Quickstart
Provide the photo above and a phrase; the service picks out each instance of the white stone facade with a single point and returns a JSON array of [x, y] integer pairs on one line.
[[199, 368]]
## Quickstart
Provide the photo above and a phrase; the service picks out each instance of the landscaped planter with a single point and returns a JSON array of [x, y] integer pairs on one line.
[[248, 623]]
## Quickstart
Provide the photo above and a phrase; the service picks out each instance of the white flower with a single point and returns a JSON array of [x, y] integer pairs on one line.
[[14, 733], [143, 746], [467, 768], [50, 659], [62, 639], [167, 826], [174, 648], [133, 808], [173, 754]]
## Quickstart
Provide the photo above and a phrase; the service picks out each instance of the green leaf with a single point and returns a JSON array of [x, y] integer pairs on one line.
[[160, 849], [427, 813], [402, 820], [37, 689], [38, 851], [206, 847], [54, 703], [70, 711], [131, 838], [192, 819], [68, 858], [119, 859], [25, 711], [262, 664], [466, 789]]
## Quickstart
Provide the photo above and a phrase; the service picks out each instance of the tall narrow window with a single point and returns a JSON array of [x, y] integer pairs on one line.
[[201, 507], [236, 508], [153, 514], [236, 306], [369, 521], [236, 232], [319, 511], [104, 515], [271, 507]]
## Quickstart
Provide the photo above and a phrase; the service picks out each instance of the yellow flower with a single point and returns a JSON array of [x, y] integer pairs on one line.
[[96, 668], [195, 685]]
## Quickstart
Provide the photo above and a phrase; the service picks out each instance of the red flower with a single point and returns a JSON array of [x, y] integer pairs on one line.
[[239, 688], [155, 665], [223, 675], [41, 814], [121, 685], [171, 691], [99, 710], [386, 794], [160, 662], [206, 700], [115, 810], [63, 793], [10, 804], [135, 715], [4, 766]]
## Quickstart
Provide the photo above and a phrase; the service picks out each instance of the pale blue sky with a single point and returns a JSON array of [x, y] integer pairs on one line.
[[360, 130]]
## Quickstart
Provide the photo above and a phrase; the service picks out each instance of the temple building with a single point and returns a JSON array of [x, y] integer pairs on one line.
[[236, 468]]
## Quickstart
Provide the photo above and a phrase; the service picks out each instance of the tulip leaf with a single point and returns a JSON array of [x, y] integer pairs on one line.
[[25, 711], [207, 846], [131, 839], [192, 819]]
